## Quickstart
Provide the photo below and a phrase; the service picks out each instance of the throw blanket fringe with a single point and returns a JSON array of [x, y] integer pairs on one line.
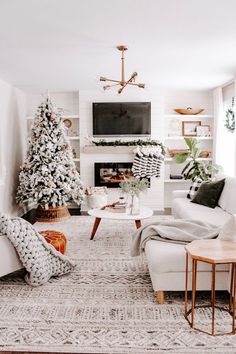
[[39, 258], [179, 231]]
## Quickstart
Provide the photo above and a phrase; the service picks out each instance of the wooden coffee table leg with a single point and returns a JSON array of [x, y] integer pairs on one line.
[[95, 227], [138, 224]]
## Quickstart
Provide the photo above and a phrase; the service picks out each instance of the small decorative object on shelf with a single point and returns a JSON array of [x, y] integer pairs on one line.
[[189, 127], [204, 154], [173, 152], [174, 127], [67, 122], [74, 153], [203, 130], [189, 110], [176, 176], [133, 188], [71, 128]]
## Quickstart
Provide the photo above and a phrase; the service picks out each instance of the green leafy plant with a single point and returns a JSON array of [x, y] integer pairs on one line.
[[134, 186], [194, 167], [139, 142]]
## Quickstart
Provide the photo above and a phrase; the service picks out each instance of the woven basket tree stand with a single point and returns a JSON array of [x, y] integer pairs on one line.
[[52, 214]]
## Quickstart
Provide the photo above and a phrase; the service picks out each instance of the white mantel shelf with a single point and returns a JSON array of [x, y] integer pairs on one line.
[[108, 149]]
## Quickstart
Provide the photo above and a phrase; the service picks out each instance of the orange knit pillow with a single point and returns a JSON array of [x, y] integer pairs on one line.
[[56, 239]]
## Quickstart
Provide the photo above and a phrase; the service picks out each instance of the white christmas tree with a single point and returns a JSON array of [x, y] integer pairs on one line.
[[48, 175]]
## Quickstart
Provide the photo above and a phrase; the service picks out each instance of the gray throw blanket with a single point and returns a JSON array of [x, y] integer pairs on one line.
[[179, 231], [40, 259]]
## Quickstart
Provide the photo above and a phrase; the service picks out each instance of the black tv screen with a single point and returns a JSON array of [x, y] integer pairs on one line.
[[122, 119]]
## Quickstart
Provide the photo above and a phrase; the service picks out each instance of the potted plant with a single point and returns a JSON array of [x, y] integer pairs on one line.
[[133, 187], [195, 168]]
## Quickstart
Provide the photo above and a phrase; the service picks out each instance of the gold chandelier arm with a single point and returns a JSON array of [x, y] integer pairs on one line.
[[125, 84], [128, 82], [109, 86], [139, 85], [111, 80], [122, 67]]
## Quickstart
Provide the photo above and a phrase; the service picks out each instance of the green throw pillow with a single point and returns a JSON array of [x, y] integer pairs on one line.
[[209, 193]]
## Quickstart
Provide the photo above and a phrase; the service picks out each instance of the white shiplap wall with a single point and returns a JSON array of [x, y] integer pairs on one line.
[[155, 195]]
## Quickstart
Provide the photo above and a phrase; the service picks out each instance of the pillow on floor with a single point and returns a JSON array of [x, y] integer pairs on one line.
[[228, 232], [194, 187], [209, 193]]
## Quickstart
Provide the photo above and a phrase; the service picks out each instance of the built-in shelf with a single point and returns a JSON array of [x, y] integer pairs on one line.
[[177, 181], [170, 159], [73, 137], [182, 137], [68, 116], [187, 116], [108, 149], [64, 116]]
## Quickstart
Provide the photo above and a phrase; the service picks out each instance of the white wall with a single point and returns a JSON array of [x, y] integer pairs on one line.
[[12, 144], [155, 195], [225, 141]]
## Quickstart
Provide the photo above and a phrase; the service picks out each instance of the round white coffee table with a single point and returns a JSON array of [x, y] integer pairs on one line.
[[105, 214]]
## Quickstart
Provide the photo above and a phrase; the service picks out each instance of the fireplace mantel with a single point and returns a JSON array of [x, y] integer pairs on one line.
[[108, 149]]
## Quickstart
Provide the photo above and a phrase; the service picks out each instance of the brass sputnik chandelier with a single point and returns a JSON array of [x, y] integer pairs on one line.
[[123, 83]]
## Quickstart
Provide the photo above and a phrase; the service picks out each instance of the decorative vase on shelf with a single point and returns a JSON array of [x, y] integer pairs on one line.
[[133, 204]]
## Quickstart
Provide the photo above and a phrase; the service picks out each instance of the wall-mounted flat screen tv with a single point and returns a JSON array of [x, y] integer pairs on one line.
[[122, 119]]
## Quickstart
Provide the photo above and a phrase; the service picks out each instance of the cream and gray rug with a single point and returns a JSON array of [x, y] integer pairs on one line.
[[106, 305]]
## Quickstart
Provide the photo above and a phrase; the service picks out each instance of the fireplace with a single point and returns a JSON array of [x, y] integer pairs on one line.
[[110, 174]]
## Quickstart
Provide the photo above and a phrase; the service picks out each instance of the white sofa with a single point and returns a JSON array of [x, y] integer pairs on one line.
[[166, 261]]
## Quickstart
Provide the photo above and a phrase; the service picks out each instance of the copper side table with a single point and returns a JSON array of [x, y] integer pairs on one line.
[[212, 252]]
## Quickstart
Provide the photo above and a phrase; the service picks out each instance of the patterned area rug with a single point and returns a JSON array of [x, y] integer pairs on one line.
[[106, 305]]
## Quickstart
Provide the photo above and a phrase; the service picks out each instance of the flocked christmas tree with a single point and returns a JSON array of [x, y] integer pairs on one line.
[[48, 175]]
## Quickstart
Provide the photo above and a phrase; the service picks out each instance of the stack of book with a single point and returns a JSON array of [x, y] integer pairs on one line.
[[116, 207]]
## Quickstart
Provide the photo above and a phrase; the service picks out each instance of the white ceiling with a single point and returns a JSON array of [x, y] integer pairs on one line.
[[68, 44]]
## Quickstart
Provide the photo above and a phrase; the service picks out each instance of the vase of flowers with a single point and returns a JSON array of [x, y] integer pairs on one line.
[[132, 188]]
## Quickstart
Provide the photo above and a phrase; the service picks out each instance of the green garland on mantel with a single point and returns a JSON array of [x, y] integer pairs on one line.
[[139, 142]]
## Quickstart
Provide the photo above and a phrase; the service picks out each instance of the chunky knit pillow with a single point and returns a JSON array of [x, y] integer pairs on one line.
[[194, 188]]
